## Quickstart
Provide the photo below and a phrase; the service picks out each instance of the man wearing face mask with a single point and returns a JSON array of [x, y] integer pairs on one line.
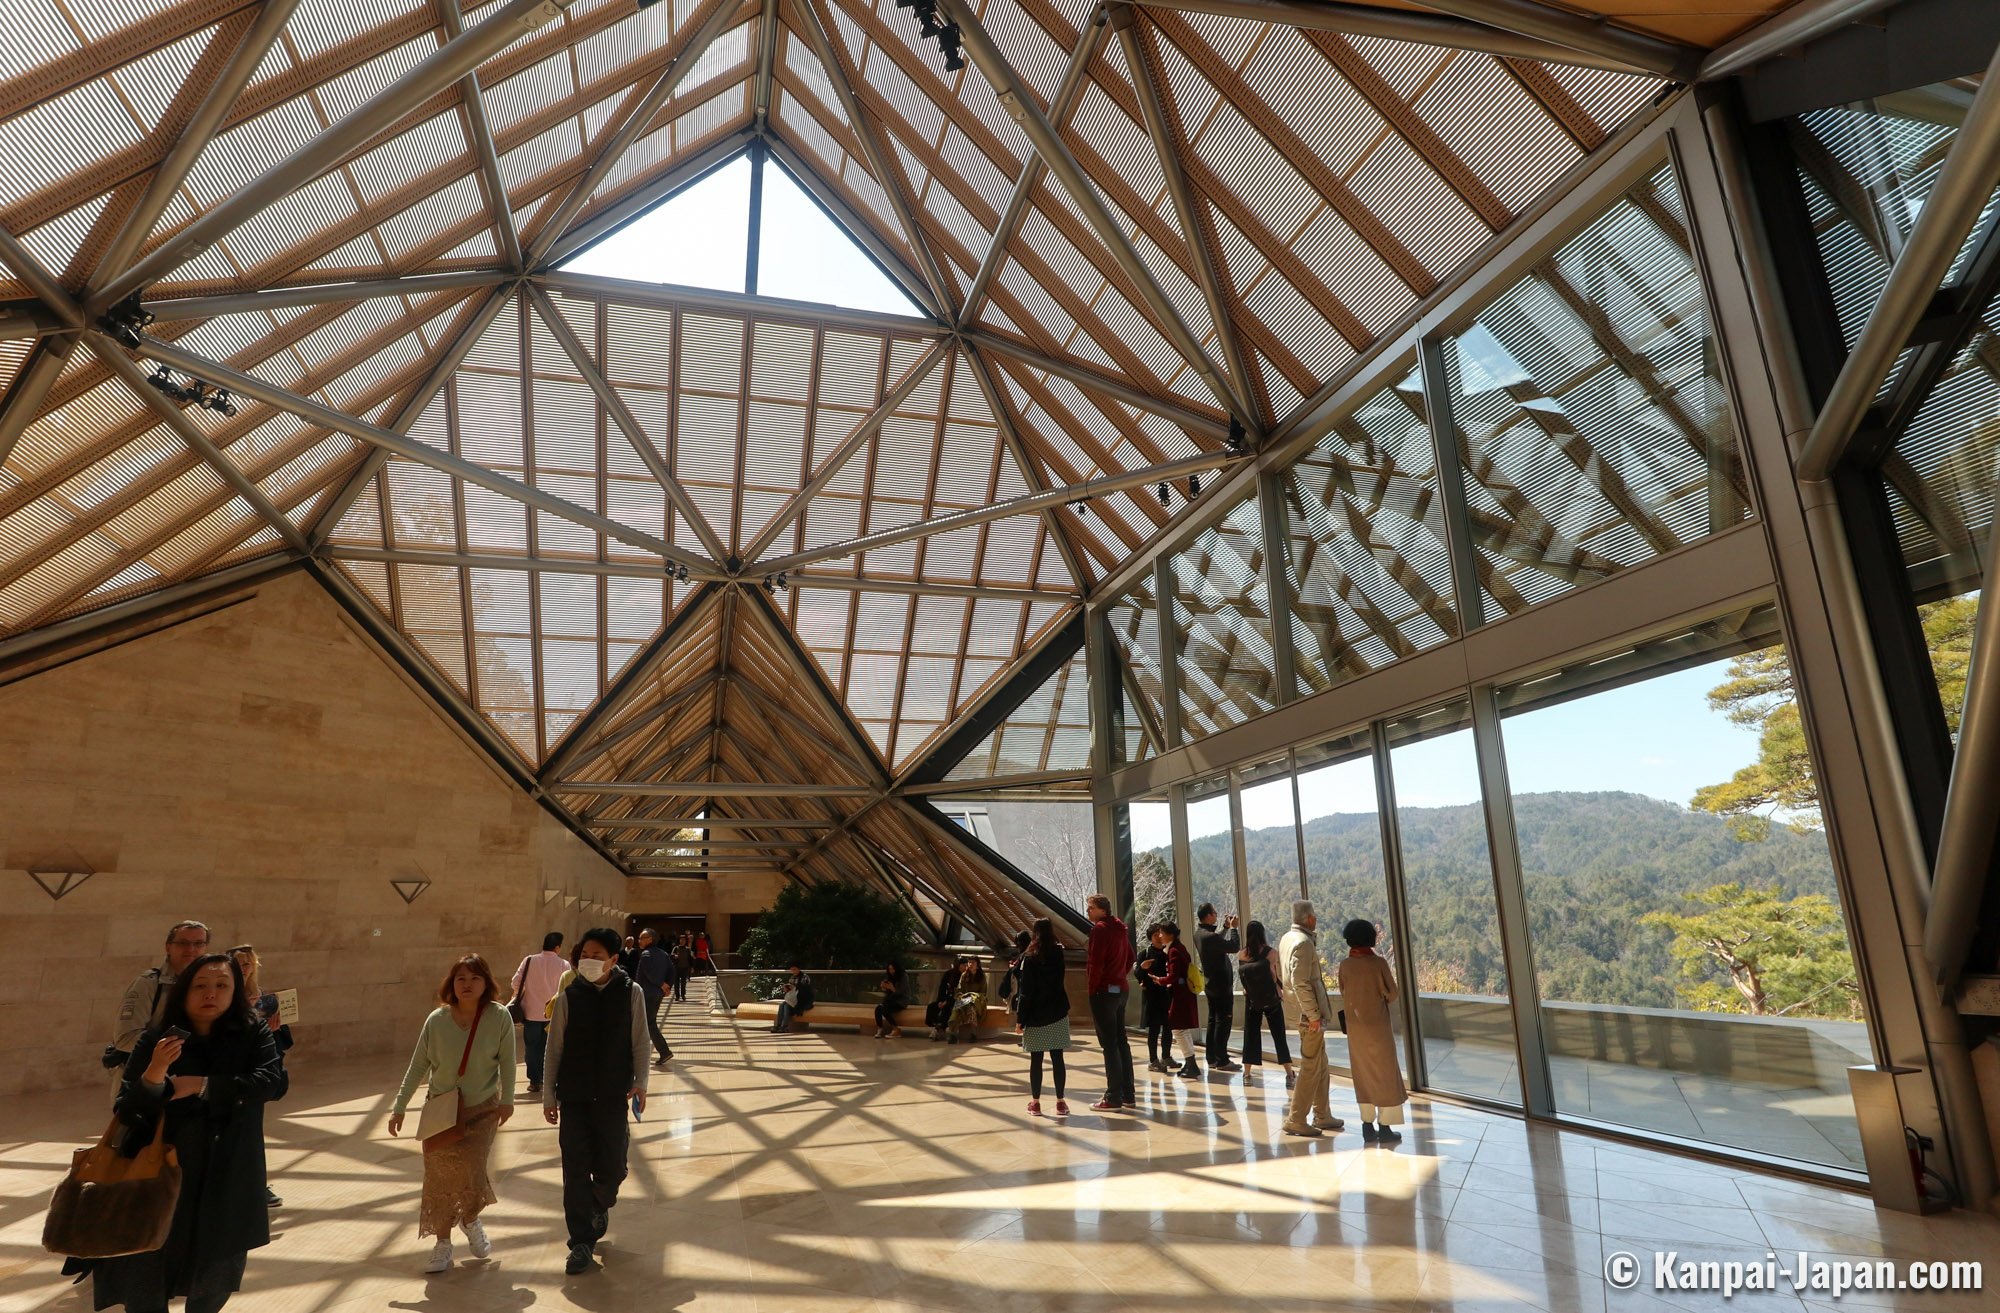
[[596, 1062]]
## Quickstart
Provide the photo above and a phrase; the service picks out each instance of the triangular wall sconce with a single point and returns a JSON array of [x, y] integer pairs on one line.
[[550, 895], [410, 890], [571, 900], [56, 884]]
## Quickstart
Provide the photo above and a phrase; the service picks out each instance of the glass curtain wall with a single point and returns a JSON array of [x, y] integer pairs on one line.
[[1270, 846], [1686, 930], [1457, 964], [1051, 838], [1211, 850], [1153, 896]]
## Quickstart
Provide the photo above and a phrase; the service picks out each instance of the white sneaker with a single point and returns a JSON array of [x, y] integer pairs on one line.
[[440, 1257], [476, 1236]]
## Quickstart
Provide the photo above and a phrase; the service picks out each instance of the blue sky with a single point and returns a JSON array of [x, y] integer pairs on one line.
[[699, 239], [1658, 738]]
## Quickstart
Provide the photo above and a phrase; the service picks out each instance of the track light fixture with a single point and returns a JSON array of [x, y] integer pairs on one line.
[[679, 574], [1166, 495], [945, 34], [126, 322], [193, 391], [1236, 436], [1194, 486]]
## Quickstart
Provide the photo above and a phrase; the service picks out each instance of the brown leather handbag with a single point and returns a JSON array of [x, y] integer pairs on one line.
[[109, 1204]]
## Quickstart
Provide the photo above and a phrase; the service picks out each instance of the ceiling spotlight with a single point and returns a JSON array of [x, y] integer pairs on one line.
[[680, 574], [954, 58], [1194, 486], [161, 380], [220, 402], [1236, 435], [125, 322], [1165, 494]]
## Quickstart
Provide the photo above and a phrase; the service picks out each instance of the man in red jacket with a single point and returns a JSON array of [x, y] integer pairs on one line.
[[1108, 968]]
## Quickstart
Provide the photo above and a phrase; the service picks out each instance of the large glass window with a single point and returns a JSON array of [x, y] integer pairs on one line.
[[1222, 612], [1458, 968], [1135, 639], [1591, 415], [1687, 936], [1050, 838], [1270, 845], [1152, 863], [1211, 850]]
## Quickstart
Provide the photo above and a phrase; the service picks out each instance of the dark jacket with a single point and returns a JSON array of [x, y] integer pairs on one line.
[[656, 970], [897, 996], [804, 985], [1260, 981], [219, 1137], [1214, 950], [1043, 998], [1181, 1011], [1153, 999]]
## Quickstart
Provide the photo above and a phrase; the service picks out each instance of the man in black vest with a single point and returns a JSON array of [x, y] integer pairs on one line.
[[597, 1061]]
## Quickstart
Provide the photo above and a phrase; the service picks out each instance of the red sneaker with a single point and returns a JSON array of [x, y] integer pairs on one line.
[[1034, 1107], [1104, 1105]]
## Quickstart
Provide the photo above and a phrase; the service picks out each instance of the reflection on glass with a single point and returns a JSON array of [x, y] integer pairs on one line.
[[1270, 846], [1692, 960], [1591, 415], [1052, 839], [1339, 819], [1135, 636], [1460, 972], [1152, 864], [1211, 850], [1365, 546], [1221, 610]]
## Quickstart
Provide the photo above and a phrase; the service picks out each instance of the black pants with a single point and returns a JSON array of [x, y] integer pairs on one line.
[[680, 989], [1159, 1040], [1254, 1021], [1035, 1073], [886, 1014], [592, 1136], [1107, 1015], [660, 1045], [1221, 1015]]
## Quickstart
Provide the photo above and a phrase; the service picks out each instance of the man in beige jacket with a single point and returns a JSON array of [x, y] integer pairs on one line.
[[1298, 954]]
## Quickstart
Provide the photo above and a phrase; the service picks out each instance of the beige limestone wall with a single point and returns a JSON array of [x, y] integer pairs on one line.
[[264, 769]]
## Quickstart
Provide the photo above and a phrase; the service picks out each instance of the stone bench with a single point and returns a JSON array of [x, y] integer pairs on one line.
[[861, 1016]]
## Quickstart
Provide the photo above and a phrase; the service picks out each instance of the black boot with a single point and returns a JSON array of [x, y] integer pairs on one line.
[[1387, 1135], [1368, 1132], [1189, 1069]]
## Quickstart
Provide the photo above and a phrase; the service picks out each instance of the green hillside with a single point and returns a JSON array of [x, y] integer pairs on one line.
[[1594, 864]]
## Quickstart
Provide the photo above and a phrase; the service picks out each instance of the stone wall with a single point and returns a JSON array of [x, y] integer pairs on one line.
[[265, 769]]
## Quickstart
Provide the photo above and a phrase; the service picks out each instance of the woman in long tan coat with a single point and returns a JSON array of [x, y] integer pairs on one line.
[[1367, 988]]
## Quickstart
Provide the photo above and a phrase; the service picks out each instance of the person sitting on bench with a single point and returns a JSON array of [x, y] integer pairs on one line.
[[796, 1002]]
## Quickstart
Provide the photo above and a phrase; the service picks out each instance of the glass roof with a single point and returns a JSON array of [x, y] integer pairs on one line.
[[1236, 215]]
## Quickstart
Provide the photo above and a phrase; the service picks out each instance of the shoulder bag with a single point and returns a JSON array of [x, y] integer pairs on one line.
[[514, 1008], [109, 1204], [442, 1122]]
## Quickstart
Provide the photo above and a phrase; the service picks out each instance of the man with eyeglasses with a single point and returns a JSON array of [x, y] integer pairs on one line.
[[186, 941]]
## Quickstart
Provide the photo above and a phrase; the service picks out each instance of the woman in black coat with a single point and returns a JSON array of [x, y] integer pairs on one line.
[[211, 1087], [1044, 1016]]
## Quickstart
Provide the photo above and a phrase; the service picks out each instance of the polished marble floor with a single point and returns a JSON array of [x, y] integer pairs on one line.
[[814, 1173]]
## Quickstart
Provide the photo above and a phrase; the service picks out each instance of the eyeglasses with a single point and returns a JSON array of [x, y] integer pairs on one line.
[[187, 943]]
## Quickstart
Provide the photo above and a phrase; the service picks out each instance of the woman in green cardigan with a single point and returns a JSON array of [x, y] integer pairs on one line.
[[467, 1044]]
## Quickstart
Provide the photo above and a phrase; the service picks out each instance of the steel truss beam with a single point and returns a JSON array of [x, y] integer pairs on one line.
[[38, 280], [1019, 102], [243, 64], [1584, 32], [627, 423], [719, 20], [1397, 25], [1105, 385], [1784, 31], [713, 789], [706, 845], [1017, 450], [1195, 224], [1031, 172], [23, 403], [450, 63], [657, 192], [733, 303], [491, 180], [1964, 182], [248, 385], [1033, 502], [281, 298], [851, 444], [879, 162], [494, 561], [713, 823]]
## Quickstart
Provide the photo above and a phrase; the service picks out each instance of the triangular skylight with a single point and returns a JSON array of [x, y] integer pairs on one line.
[[700, 237]]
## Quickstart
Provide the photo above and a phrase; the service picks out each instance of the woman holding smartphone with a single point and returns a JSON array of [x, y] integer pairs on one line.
[[467, 1044], [207, 1069]]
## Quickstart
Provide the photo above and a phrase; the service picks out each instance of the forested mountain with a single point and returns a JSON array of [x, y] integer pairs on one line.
[[1595, 863]]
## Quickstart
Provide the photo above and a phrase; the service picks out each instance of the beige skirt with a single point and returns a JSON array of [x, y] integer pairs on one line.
[[456, 1186]]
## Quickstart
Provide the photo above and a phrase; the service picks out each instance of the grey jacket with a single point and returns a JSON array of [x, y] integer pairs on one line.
[[1298, 958], [141, 1006]]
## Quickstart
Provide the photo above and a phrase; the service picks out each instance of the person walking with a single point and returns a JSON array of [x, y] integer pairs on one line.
[[536, 981], [467, 1045], [1154, 1001], [145, 998], [1043, 1017], [796, 1001], [597, 1058], [683, 965], [1263, 1002], [654, 970], [1108, 967], [1367, 988], [1183, 1015], [704, 964], [968, 1002], [895, 989], [1298, 953], [207, 1068], [265, 1005], [1214, 946]]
